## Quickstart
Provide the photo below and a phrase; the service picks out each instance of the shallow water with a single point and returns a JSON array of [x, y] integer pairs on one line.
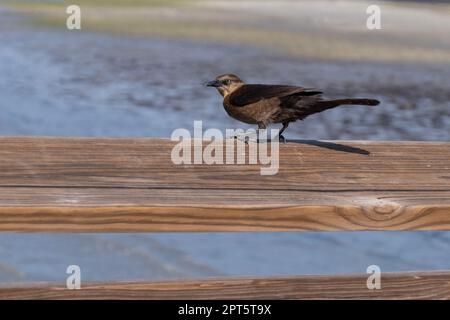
[[45, 257], [80, 84]]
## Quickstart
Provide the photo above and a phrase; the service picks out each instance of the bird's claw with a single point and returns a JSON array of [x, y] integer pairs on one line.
[[243, 138], [248, 139], [281, 138]]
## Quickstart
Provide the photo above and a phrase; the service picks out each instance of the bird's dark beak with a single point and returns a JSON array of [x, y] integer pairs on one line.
[[214, 83]]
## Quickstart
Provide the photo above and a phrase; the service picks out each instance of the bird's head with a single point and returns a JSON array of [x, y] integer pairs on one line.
[[226, 83]]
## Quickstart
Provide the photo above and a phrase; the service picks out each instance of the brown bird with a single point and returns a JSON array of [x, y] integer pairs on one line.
[[264, 104]]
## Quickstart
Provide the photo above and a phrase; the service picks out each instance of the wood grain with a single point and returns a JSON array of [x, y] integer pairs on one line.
[[131, 185], [414, 285]]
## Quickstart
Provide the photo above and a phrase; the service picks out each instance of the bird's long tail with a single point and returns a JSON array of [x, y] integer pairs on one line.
[[328, 104]]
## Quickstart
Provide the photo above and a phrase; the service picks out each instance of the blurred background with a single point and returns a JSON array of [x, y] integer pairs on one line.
[[136, 69]]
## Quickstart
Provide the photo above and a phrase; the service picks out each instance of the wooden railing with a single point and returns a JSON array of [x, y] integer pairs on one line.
[[414, 285], [131, 185]]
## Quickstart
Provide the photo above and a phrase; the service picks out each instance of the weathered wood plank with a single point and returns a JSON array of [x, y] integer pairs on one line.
[[414, 285], [146, 163], [127, 185]]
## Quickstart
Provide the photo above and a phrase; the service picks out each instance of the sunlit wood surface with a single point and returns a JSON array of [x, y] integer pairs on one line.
[[131, 185]]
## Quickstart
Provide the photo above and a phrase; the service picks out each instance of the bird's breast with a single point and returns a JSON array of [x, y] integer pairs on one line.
[[251, 113]]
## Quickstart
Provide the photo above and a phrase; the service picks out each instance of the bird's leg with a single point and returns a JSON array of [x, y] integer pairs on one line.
[[280, 134], [261, 126]]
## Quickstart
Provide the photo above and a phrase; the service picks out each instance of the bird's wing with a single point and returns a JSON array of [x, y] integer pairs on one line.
[[251, 93]]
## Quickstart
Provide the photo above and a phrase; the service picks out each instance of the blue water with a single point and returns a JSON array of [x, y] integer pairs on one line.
[[45, 257]]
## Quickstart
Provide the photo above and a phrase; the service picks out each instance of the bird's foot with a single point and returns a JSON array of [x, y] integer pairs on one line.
[[242, 138], [248, 139], [281, 138]]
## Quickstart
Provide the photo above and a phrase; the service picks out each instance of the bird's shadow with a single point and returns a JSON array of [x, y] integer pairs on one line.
[[332, 146]]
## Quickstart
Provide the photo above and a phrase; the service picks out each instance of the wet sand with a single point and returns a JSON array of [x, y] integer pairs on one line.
[[53, 82]]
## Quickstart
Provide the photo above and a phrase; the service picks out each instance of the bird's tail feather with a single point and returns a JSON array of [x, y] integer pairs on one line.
[[328, 104], [359, 102]]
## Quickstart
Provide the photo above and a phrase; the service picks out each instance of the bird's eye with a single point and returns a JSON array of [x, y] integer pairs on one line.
[[226, 82]]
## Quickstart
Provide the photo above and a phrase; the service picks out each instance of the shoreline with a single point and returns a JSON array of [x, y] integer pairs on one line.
[[290, 31]]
